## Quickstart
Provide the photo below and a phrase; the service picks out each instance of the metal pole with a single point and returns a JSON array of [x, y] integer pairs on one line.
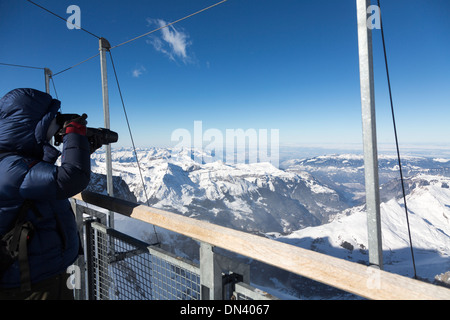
[[104, 47], [369, 135], [48, 73], [210, 274], [90, 292], [80, 274]]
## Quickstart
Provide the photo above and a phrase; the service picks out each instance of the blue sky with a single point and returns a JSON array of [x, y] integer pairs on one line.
[[290, 65]]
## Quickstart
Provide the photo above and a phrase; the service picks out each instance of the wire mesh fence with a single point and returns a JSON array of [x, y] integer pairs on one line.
[[124, 268], [120, 267]]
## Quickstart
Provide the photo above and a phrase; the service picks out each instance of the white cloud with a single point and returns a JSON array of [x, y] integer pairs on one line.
[[173, 42], [138, 71]]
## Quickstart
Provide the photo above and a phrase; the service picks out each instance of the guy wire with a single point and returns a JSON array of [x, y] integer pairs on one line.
[[128, 41], [20, 66], [169, 24], [65, 20], [54, 88], [396, 143], [132, 140]]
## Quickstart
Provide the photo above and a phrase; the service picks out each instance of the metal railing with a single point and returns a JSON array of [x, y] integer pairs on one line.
[[119, 267], [124, 268]]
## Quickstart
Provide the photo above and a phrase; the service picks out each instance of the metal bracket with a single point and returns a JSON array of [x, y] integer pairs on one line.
[[218, 273], [104, 44]]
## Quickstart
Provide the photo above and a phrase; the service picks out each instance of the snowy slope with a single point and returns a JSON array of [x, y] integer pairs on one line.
[[429, 207]]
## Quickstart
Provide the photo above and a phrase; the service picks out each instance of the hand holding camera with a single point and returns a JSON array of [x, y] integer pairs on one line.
[[77, 125], [73, 123]]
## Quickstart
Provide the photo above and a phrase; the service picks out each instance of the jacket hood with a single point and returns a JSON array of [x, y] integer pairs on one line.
[[25, 115]]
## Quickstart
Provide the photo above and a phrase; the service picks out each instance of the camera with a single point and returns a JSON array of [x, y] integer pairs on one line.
[[97, 137]]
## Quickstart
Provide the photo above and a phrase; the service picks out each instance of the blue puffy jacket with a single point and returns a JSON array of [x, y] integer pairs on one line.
[[28, 171]]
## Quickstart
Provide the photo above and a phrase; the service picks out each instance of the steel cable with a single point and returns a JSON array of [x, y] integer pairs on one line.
[[396, 143]]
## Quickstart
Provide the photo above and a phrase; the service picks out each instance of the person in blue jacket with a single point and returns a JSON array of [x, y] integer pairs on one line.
[[28, 172]]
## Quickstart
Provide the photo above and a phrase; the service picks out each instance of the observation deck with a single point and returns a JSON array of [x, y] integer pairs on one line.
[[117, 266]]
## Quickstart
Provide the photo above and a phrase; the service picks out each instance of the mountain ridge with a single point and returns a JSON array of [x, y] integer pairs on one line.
[[302, 202]]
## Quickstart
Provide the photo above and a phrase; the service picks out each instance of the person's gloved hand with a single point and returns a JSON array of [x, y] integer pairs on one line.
[[77, 125]]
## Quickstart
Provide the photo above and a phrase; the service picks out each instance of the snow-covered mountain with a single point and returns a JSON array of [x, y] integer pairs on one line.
[[426, 184], [429, 216], [315, 203], [344, 173], [252, 197]]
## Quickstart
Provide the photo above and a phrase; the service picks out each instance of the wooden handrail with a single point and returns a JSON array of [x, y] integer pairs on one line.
[[352, 277]]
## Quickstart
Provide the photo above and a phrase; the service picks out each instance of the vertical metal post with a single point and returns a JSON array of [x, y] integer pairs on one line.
[[369, 135], [80, 277], [104, 47], [48, 73], [210, 274], [90, 292], [219, 273]]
